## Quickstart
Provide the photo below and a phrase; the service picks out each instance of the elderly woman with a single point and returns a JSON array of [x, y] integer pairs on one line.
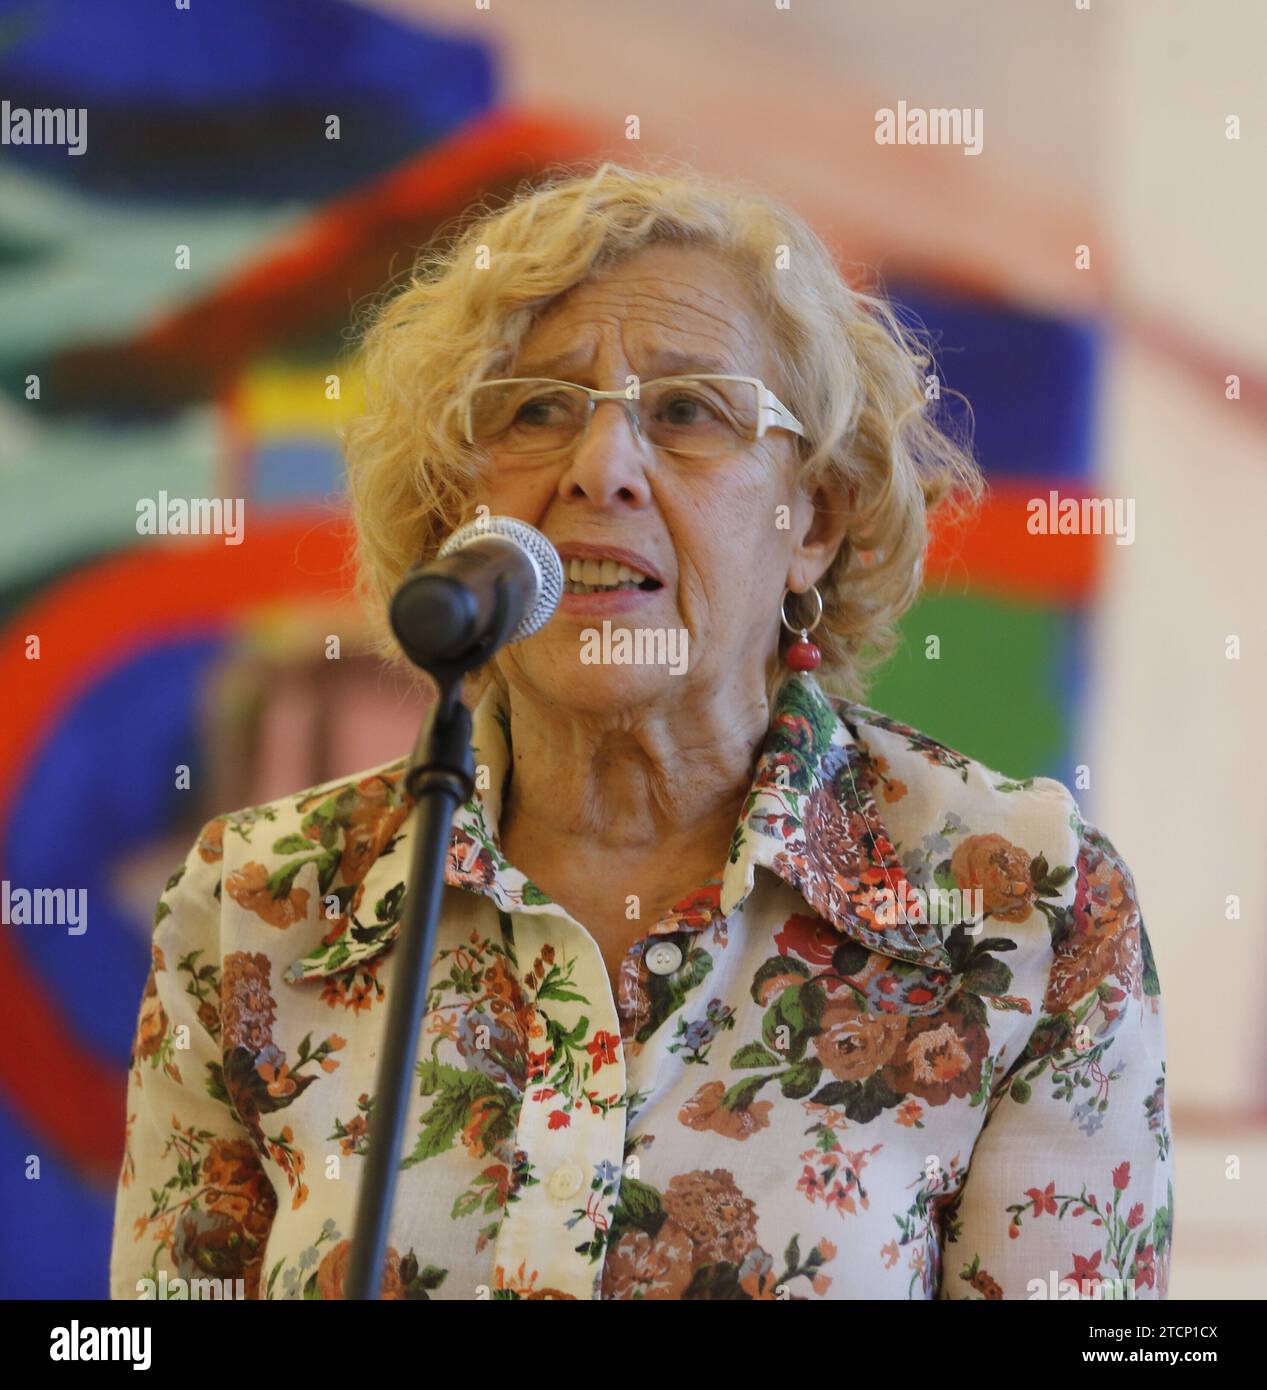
[[743, 990]]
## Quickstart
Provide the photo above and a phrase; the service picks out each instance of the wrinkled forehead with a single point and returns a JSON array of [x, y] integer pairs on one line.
[[662, 312]]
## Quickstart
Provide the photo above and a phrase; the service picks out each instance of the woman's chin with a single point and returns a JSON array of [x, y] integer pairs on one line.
[[599, 687]]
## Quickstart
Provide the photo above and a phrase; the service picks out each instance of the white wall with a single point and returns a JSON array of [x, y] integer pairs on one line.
[[1179, 739]]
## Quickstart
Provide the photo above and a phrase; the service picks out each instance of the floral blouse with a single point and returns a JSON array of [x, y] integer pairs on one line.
[[799, 1091]]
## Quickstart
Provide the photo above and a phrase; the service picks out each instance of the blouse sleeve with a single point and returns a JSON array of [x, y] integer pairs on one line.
[[193, 1200], [1071, 1179]]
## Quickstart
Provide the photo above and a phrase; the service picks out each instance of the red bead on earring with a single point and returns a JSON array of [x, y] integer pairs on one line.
[[803, 655]]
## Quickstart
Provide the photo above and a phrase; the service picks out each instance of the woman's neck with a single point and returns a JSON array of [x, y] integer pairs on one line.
[[629, 785]]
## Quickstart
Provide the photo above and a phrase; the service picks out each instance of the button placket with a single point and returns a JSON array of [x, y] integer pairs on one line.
[[572, 1117]]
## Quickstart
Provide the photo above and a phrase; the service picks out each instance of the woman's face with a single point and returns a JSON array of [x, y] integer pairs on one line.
[[723, 535]]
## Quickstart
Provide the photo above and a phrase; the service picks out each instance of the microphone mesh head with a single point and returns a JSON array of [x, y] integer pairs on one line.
[[544, 557]]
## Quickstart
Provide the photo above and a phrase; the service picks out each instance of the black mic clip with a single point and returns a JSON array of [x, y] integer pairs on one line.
[[443, 746]]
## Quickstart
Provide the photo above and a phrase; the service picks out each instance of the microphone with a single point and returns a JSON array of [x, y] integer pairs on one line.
[[494, 581]]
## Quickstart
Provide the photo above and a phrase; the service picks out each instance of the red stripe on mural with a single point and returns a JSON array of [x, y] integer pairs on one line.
[[994, 553], [87, 624]]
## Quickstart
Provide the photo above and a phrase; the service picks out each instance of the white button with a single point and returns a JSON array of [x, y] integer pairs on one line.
[[663, 957], [565, 1181]]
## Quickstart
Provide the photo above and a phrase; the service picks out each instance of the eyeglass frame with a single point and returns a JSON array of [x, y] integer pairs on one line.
[[771, 412]]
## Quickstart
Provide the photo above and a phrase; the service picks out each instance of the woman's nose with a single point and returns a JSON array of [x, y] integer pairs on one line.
[[610, 456]]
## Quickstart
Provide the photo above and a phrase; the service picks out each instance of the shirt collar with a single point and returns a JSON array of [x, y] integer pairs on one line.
[[809, 817]]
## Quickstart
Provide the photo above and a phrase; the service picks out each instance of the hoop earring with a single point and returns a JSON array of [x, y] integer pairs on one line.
[[803, 655]]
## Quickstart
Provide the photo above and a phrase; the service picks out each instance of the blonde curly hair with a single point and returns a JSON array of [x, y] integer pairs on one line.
[[856, 378]]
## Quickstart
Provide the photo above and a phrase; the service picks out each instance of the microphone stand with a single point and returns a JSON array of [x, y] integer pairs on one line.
[[441, 778]]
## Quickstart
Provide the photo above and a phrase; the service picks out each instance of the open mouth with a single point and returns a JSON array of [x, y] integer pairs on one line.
[[604, 576]]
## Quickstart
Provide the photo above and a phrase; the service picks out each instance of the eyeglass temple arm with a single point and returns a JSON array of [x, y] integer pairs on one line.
[[774, 412]]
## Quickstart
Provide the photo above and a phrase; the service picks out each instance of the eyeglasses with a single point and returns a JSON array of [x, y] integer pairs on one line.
[[697, 416]]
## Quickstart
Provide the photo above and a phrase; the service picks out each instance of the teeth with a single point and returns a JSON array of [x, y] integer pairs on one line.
[[586, 576], [571, 586]]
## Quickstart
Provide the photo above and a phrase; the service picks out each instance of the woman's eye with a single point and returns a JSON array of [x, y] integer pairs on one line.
[[535, 412], [682, 410]]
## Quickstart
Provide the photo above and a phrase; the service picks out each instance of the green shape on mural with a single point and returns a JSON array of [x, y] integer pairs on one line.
[[997, 693]]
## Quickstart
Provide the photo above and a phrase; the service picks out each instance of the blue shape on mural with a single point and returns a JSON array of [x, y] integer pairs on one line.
[[101, 787], [1032, 382], [231, 98]]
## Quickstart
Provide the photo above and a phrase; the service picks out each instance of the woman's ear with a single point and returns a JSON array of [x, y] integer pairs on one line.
[[833, 503]]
